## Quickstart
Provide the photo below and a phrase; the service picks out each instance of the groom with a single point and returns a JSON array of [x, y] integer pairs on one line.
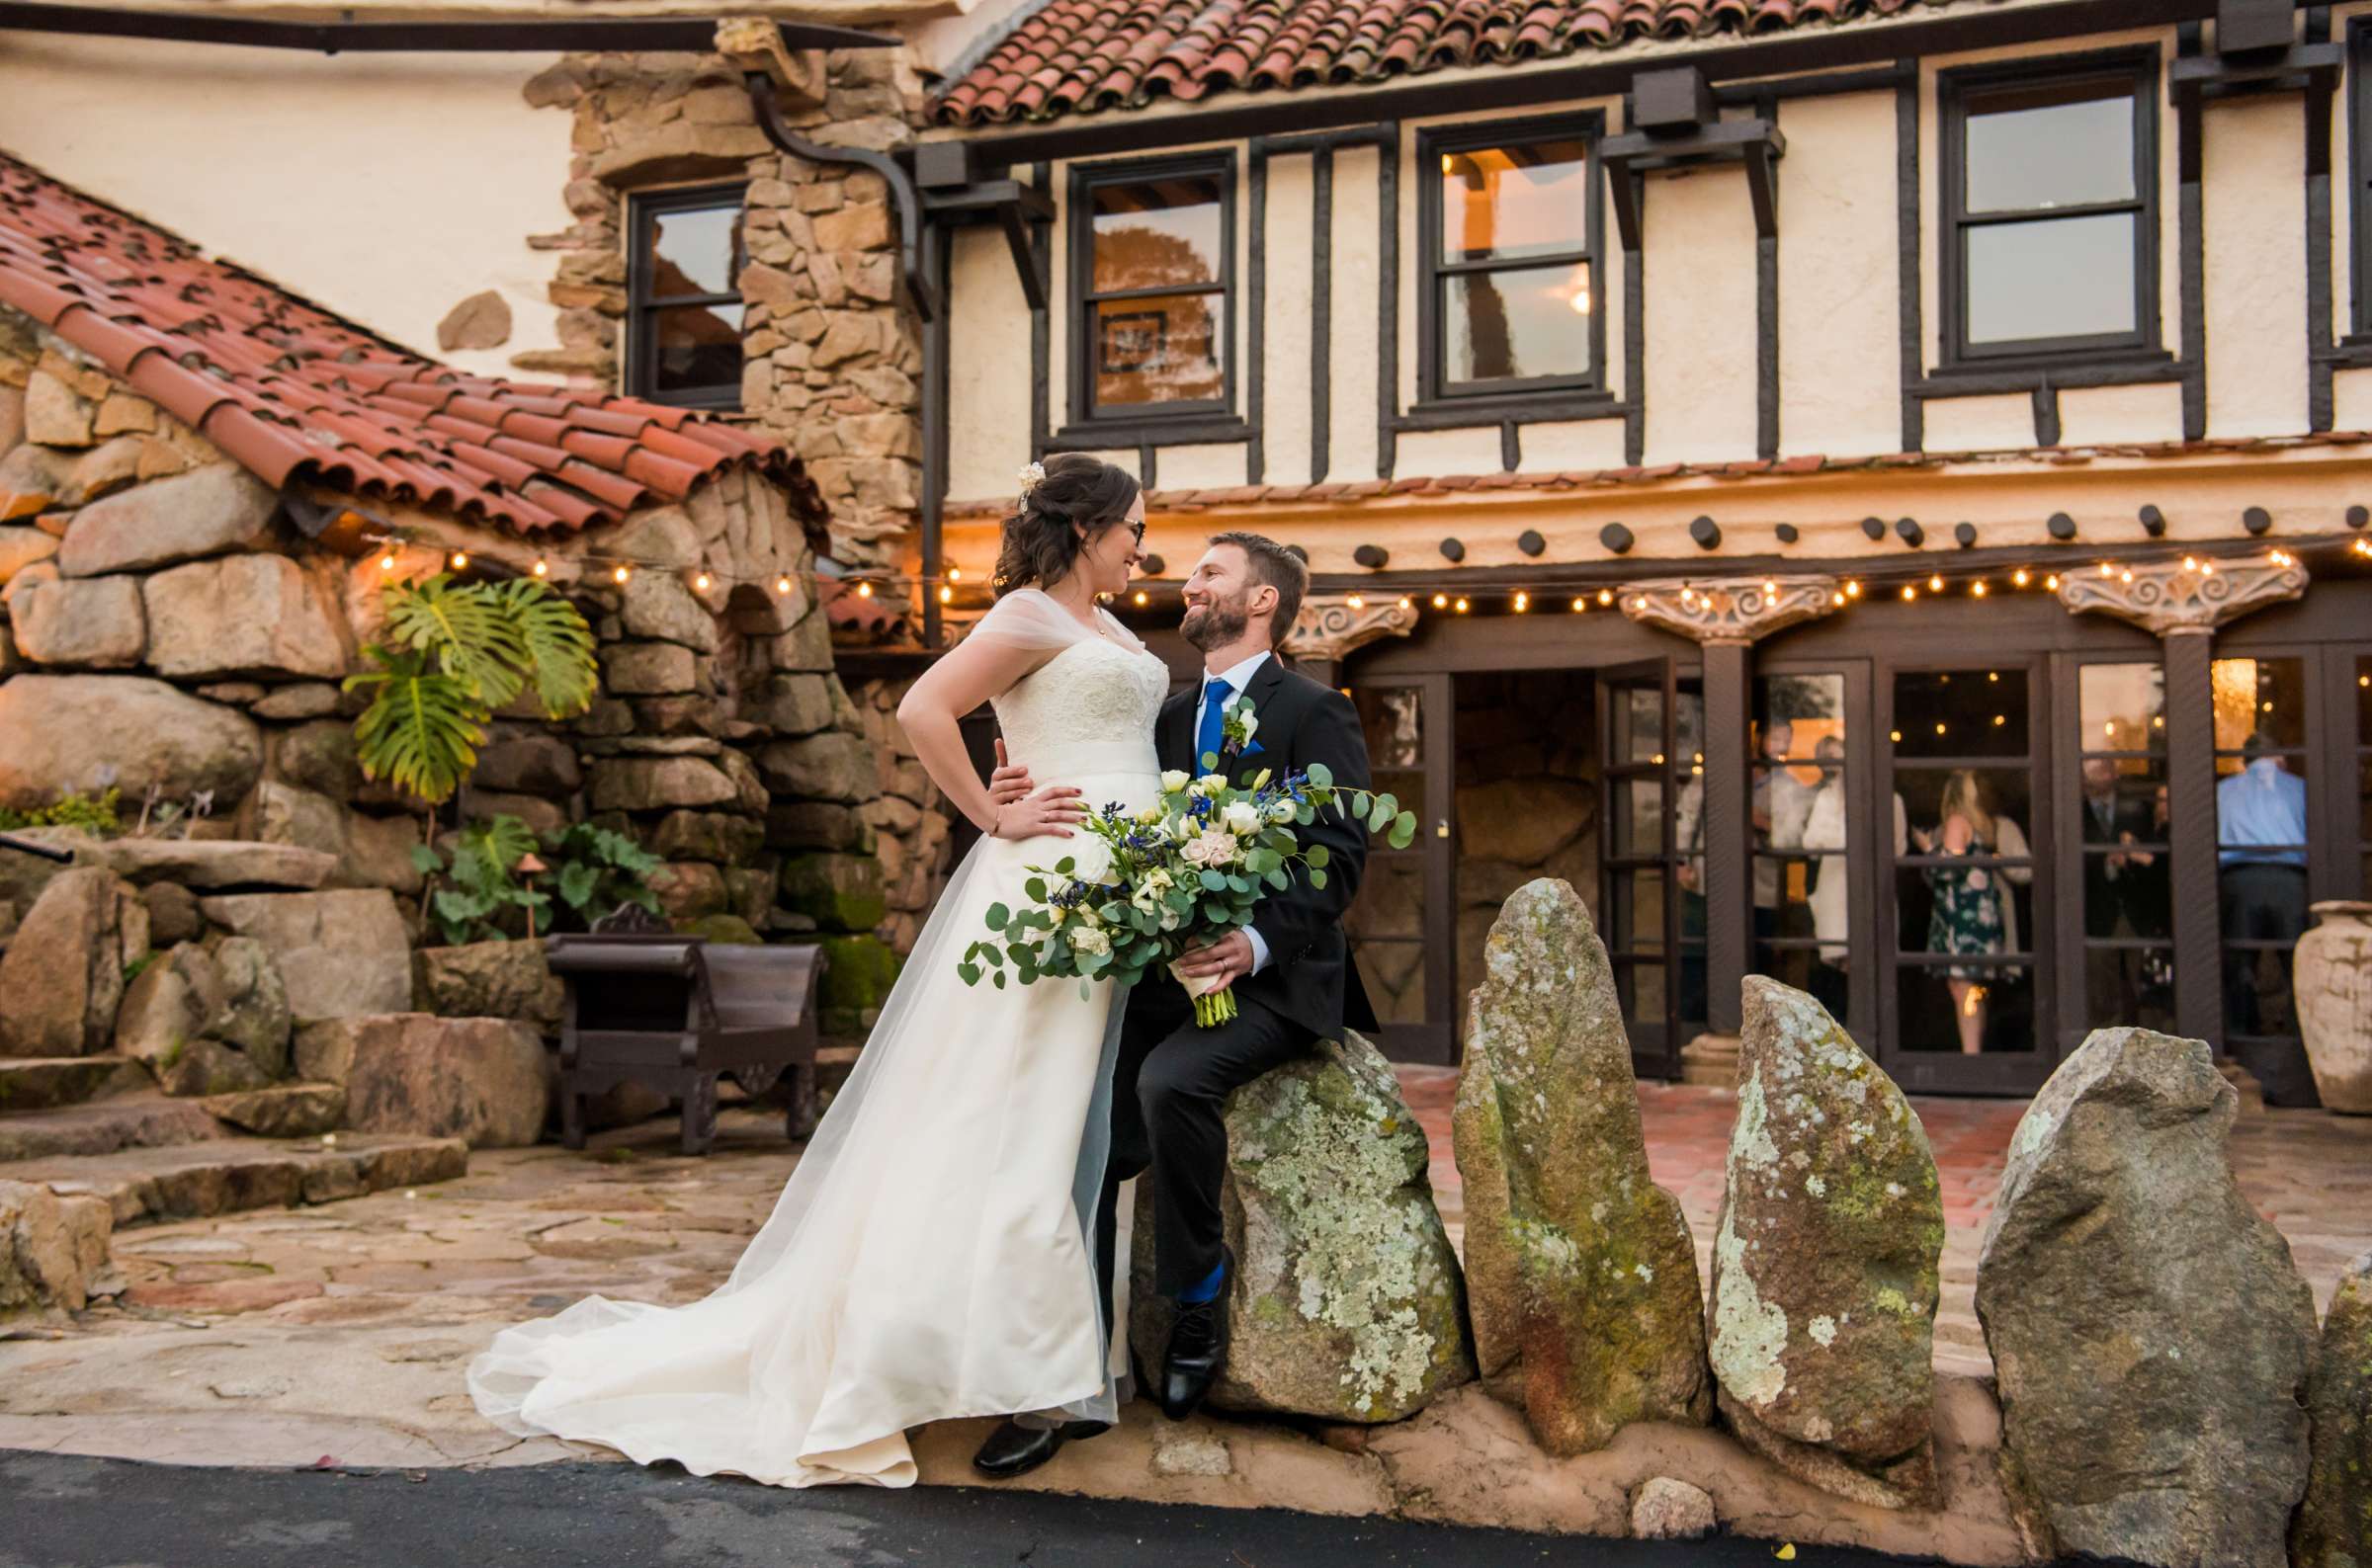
[[1291, 969]]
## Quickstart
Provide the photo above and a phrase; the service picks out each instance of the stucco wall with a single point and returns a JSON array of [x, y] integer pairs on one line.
[[387, 188], [1840, 340]]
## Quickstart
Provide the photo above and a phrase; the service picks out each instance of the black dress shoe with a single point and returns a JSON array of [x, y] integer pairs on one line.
[[1198, 1347], [1015, 1449]]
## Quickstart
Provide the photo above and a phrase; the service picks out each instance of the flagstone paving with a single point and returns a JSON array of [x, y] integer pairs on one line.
[[275, 1335]]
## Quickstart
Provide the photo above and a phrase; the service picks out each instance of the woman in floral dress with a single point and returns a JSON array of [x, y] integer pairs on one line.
[[1969, 916]]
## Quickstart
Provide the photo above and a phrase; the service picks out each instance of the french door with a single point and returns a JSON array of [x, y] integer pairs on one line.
[[1650, 726], [1402, 927]]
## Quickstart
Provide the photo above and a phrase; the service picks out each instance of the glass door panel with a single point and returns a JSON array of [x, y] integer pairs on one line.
[[1401, 938], [2262, 876], [1805, 789], [1966, 948], [1639, 867]]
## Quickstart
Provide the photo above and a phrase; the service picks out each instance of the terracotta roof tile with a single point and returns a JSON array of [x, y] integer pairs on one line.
[[295, 394], [1084, 57]]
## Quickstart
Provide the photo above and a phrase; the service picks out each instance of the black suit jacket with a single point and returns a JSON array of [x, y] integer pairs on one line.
[[2103, 895], [1309, 978]]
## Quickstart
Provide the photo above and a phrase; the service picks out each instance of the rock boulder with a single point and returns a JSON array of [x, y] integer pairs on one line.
[[2334, 1529], [64, 730], [94, 624], [2148, 1330], [340, 954], [52, 1249], [1582, 1278], [205, 511], [1346, 1301], [242, 614], [1825, 1269], [61, 978], [477, 1079], [488, 979]]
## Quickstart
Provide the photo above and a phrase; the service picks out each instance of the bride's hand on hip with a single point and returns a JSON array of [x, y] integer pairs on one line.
[[1051, 813], [1010, 781]]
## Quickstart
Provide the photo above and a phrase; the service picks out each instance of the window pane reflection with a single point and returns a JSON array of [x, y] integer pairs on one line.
[[2126, 839], [2123, 706], [1517, 322], [696, 347], [695, 251], [1976, 713], [2263, 697], [1164, 234], [1168, 349], [2054, 278], [2025, 155], [1507, 203], [1802, 909]]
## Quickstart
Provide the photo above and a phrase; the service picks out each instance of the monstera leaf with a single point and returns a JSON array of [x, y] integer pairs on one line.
[[469, 631], [558, 646], [423, 727]]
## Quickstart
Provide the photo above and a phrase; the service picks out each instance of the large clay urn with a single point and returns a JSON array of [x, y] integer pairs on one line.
[[2333, 979]]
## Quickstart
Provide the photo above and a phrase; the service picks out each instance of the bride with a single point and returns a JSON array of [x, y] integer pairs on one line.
[[931, 1256]]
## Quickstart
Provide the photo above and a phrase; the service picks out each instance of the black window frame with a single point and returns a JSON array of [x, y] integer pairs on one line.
[[643, 308], [1132, 424], [1435, 142], [2136, 71]]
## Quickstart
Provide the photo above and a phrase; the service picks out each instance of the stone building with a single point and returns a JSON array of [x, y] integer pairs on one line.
[[1702, 424]]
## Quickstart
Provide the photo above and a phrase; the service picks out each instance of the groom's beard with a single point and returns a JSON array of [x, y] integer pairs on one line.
[[1213, 624]]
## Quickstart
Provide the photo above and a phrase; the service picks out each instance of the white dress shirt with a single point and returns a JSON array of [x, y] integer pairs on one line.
[[1238, 676]]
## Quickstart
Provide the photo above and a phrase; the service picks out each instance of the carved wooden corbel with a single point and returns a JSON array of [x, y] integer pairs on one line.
[[1331, 626], [2167, 597], [1741, 610]]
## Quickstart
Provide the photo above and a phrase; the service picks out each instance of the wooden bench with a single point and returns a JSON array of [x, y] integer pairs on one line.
[[677, 1013]]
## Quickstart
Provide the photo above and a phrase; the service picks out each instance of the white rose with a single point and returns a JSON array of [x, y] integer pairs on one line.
[[1088, 917], [1281, 810], [1249, 722], [1149, 815], [1091, 938], [1210, 783], [1157, 879], [1242, 818], [1173, 780]]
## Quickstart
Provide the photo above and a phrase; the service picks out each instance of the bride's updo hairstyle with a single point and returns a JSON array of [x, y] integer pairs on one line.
[[1041, 545]]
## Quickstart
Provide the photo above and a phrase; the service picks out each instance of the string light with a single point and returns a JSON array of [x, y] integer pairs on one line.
[[864, 589], [1852, 587], [1441, 600], [781, 585], [1909, 592], [1406, 603], [1770, 589], [1935, 585], [1976, 589], [2190, 563], [1523, 602], [1358, 601], [1838, 600], [947, 595], [543, 567], [2052, 582], [1605, 596], [1579, 605], [701, 583], [2106, 570], [460, 560], [955, 574], [1461, 607], [387, 562], [2019, 577], [621, 574]]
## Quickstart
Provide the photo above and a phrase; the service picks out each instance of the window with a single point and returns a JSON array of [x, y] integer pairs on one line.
[[1152, 270], [2261, 843], [1803, 906], [684, 260], [2359, 163], [1509, 300], [2050, 192]]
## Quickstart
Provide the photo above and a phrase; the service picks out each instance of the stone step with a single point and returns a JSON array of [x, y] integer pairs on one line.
[[189, 1181], [43, 1083], [145, 1119]]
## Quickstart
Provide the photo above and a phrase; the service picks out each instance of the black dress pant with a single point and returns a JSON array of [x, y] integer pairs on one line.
[[1168, 1097], [2264, 901]]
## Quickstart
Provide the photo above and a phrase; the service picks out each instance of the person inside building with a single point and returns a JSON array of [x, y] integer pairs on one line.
[[1824, 829], [2110, 881], [1781, 805], [1974, 914], [2261, 829]]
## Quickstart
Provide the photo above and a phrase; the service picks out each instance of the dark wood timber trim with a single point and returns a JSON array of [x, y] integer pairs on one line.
[[1908, 278], [1255, 353], [1635, 336], [1729, 834], [1388, 279], [2191, 827], [1766, 315], [1322, 313], [1041, 247], [938, 247], [531, 34], [2191, 219]]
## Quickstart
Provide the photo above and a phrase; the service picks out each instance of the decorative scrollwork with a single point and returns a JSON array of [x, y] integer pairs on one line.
[[1741, 610], [2164, 596], [1331, 626]]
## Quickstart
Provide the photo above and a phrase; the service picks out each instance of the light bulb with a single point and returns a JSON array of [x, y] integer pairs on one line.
[[1358, 602], [1838, 600], [955, 574], [543, 567], [2019, 577], [1441, 600], [1935, 585], [1141, 597], [1461, 607], [621, 573], [864, 589], [1853, 588], [1523, 602], [781, 585], [2052, 582], [1770, 589], [1580, 605], [1605, 596], [387, 562], [460, 560], [1976, 589], [2106, 570], [1404, 602], [1909, 592], [947, 595], [2190, 563], [701, 582]]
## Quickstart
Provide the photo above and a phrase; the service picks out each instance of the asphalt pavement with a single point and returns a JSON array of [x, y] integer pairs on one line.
[[59, 1511]]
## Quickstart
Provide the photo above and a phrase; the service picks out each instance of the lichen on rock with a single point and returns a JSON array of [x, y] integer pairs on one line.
[[2334, 1529], [1825, 1269], [1347, 1303], [2150, 1334], [1581, 1274]]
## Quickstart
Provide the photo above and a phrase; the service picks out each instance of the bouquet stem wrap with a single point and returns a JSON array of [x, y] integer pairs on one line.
[[1214, 1004]]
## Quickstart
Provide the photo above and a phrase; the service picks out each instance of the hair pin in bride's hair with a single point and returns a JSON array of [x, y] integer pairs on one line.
[[1033, 475]]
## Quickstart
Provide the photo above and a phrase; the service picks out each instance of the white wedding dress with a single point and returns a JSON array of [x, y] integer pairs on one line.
[[932, 1253]]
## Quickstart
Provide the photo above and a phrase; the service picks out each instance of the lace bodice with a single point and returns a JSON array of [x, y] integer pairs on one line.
[[1094, 692]]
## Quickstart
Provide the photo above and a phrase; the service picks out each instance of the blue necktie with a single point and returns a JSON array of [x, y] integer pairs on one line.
[[1213, 732]]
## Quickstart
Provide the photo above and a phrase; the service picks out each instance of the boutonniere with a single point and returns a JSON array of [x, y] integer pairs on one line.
[[1238, 723]]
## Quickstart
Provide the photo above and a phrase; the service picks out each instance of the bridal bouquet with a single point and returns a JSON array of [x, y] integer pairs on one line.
[[1183, 873]]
